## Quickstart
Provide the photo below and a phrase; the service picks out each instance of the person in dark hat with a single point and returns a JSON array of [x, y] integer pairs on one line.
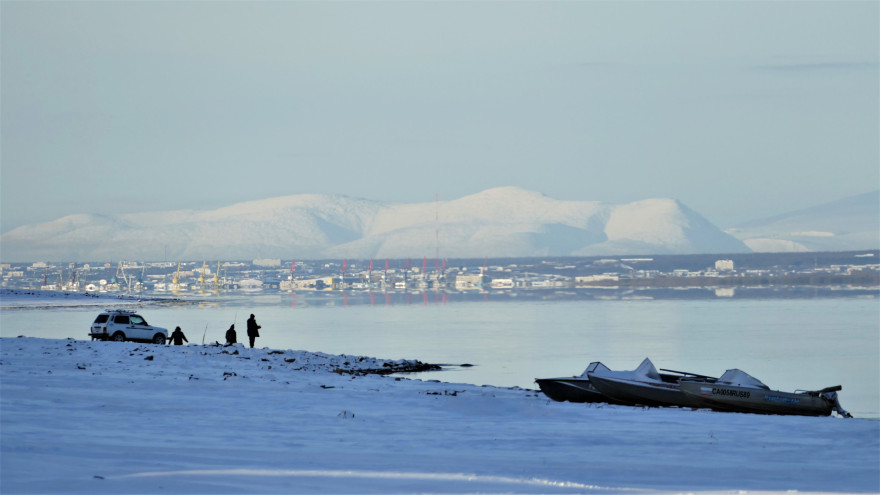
[[231, 337], [253, 329]]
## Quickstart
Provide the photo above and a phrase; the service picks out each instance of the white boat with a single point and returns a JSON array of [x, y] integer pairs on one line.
[[738, 391]]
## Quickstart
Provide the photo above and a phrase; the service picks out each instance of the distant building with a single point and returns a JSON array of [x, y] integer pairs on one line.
[[267, 263], [724, 265], [469, 281], [250, 283]]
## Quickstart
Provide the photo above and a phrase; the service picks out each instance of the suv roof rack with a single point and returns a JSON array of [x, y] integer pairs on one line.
[[110, 310]]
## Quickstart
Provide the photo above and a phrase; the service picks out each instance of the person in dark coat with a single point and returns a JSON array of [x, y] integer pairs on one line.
[[253, 329], [230, 335], [177, 337]]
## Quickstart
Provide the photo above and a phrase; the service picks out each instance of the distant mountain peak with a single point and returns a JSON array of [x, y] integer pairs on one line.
[[510, 192]]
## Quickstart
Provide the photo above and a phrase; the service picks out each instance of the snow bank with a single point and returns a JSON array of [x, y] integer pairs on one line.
[[106, 417]]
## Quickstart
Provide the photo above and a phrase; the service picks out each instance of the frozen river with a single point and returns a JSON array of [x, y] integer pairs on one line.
[[788, 343]]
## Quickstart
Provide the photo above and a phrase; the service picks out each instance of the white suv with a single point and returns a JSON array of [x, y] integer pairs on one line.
[[121, 325]]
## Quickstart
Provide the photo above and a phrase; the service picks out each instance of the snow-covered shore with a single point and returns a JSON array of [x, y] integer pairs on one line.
[[105, 417]]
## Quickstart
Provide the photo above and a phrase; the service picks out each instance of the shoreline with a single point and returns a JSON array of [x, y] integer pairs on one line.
[[23, 299]]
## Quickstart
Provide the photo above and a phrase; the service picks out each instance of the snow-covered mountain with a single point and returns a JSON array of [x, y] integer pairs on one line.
[[846, 225], [501, 222]]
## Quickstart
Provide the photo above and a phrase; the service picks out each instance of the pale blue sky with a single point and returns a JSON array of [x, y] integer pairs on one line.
[[739, 109]]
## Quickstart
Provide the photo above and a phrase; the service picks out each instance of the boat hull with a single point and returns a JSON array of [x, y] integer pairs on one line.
[[571, 389], [755, 400], [646, 393]]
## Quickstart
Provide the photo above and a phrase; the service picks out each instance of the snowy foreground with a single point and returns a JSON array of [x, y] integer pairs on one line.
[[104, 417]]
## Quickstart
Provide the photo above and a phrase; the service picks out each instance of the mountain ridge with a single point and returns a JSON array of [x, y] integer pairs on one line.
[[503, 221], [850, 223], [498, 222]]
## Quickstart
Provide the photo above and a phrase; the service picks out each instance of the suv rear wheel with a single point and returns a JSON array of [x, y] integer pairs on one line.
[[118, 337], [159, 339]]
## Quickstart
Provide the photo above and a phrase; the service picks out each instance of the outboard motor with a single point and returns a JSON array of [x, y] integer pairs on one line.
[[835, 404], [830, 394]]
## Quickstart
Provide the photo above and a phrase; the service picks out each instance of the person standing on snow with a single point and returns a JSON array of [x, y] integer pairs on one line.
[[253, 329], [230, 335], [177, 337]]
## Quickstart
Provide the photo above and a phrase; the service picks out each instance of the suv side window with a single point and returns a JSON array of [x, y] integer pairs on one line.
[[102, 318], [121, 319], [137, 320]]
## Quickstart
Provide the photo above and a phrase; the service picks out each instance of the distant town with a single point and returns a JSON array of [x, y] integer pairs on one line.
[[194, 279]]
